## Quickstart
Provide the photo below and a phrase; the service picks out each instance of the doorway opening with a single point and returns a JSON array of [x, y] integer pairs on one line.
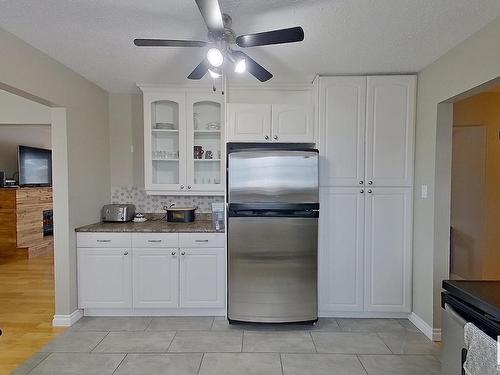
[[27, 206], [475, 187]]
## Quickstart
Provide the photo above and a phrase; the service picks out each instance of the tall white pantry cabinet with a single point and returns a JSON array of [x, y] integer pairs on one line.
[[366, 143]]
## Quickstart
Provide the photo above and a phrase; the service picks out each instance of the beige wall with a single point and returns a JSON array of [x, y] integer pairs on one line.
[[25, 68], [473, 62], [484, 109], [17, 110], [126, 140]]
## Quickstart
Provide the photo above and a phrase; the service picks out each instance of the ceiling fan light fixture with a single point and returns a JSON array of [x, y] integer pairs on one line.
[[215, 57], [240, 66], [213, 73]]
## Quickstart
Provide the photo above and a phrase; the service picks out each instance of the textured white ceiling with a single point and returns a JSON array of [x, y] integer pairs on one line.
[[94, 37]]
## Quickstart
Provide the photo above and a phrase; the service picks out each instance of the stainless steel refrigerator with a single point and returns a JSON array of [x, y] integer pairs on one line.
[[273, 210]]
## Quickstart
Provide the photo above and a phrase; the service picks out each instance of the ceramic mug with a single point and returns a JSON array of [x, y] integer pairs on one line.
[[198, 152]]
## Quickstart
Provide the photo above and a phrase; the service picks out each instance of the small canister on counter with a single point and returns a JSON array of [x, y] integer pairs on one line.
[[218, 211]]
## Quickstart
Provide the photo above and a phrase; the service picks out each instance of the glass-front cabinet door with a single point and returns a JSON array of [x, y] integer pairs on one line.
[[205, 145], [164, 137]]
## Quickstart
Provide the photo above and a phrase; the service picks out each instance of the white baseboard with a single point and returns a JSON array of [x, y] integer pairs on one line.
[[362, 314], [67, 320], [154, 312], [434, 334]]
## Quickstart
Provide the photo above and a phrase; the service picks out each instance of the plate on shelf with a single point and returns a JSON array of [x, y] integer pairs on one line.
[[213, 126], [165, 125]]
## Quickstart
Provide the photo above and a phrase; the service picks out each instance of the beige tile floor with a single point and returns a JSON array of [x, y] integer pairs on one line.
[[210, 346]]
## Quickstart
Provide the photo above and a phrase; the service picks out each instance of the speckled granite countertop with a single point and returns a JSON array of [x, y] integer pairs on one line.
[[151, 226]]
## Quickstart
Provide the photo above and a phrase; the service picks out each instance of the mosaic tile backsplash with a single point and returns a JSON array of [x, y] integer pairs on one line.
[[154, 203]]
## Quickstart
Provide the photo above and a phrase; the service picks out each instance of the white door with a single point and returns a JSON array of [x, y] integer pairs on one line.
[[388, 254], [104, 278], [156, 277], [341, 249], [390, 128], [292, 123], [342, 107], [202, 277], [249, 122]]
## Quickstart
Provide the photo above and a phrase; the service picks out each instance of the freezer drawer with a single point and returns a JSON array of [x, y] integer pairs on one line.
[[272, 269]]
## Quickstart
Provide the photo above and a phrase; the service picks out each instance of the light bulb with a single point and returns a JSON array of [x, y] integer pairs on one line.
[[240, 66], [215, 57], [213, 73]]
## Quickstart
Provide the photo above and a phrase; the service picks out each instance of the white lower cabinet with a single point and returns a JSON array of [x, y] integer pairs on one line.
[[155, 277], [341, 249], [202, 278], [388, 255], [365, 251], [104, 277]]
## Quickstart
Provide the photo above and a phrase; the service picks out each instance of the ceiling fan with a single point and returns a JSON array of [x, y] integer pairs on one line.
[[221, 36]]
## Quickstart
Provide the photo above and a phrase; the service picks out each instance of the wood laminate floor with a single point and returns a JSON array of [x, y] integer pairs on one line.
[[26, 308]]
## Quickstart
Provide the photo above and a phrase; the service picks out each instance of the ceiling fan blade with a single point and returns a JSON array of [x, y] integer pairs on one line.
[[168, 43], [200, 71], [253, 67], [293, 34], [211, 13]]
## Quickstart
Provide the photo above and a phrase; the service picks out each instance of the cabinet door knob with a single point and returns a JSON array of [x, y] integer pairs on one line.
[[370, 182], [276, 137], [361, 182], [125, 253], [183, 253], [182, 186], [173, 252], [266, 137], [369, 191], [189, 186], [361, 191]]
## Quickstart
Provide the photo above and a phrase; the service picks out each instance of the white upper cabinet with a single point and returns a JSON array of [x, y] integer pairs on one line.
[[342, 108], [292, 123], [249, 122], [270, 123], [340, 257], [183, 142], [388, 255], [205, 143], [390, 128]]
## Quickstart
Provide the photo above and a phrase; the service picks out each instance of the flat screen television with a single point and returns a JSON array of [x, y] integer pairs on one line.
[[35, 166]]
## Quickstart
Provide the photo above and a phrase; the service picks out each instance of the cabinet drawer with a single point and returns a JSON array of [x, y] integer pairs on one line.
[[155, 240], [201, 240], [104, 239]]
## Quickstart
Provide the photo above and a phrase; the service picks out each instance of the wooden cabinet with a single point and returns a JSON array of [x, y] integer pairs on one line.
[[155, 277], [367, 127], [365, 250], [341, 241], [202, 277], [171, 271], [183, 142], [249, 122], [388, 255], [390, 128], [104, 278], [270, 123], [342, 120]]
